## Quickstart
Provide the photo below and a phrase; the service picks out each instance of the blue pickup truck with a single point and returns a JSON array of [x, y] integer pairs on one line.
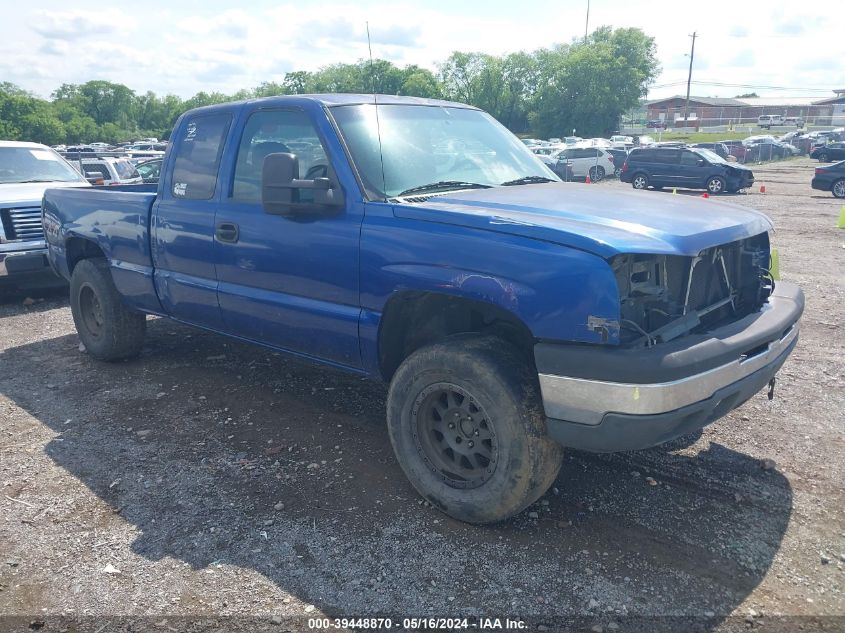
[[420, 243]]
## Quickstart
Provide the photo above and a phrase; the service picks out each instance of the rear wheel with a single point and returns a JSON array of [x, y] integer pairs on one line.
[[715, 185], [639, 181], [822, 158], [596, 173], [108, 329], [467, 425], [838, 188]]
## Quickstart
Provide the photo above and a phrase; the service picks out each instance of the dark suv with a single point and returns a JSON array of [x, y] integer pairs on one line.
[[691, 168]]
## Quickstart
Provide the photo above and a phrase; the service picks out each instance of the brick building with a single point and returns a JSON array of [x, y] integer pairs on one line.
[[709, 111]]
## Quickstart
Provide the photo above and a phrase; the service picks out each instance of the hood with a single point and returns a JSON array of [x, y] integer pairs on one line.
[[16, 192], [594, 218]]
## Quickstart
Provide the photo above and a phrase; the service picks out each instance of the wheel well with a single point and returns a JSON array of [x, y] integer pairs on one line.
[[413, 319], [78, 248]]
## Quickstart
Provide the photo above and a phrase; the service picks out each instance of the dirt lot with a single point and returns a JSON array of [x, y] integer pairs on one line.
[[220, 481]]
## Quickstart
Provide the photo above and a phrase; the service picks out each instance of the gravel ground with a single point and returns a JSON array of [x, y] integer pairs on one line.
[[218, 481]]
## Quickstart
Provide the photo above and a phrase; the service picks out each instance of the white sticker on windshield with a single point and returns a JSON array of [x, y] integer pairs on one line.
[[42, 154]]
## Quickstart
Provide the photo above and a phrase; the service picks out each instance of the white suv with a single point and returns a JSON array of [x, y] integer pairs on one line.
[[592, 161], [110, 171], [768, 120]]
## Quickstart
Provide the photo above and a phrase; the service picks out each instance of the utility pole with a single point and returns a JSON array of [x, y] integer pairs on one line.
[[587, 24], [689, 77]]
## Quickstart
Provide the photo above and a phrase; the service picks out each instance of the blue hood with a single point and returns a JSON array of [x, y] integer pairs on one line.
[[594, 218]]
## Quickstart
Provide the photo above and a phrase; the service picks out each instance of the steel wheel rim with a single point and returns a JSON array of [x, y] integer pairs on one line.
[[839, 189], [715, 185], [454, 436], [91, 311]]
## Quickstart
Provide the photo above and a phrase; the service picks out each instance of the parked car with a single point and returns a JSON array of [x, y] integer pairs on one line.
[[737, 150], [561, 167], [150, 170], [764, 148], [26, 170], [619, 157], [691, 168], [829, 152], [768, 120], [831, 178], [797, 121], [510, 313], [593, 161], [624, 142], [657, 124], [110, 171], [717, 148]]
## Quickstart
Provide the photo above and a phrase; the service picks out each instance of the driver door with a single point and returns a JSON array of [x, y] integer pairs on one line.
[[287, 281]]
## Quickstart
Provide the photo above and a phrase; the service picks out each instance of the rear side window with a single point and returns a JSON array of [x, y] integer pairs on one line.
[[667, 156], [125, 169], [198, 151], [641, 156]]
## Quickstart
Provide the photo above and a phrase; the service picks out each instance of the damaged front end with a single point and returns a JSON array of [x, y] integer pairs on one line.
[[663, 297]]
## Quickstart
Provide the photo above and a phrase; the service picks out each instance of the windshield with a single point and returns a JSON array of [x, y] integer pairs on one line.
[[423, 145], [34, 164], [710, 155]]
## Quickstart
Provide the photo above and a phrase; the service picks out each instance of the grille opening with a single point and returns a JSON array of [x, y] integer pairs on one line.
[[22, 223]]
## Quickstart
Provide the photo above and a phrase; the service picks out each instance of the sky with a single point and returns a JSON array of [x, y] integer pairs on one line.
[[184, 46]]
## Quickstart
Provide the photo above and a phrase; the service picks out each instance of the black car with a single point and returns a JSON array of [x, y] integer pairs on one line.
[[717, 148], [829, 152], [691, 168], [831, 178], [619, 157]]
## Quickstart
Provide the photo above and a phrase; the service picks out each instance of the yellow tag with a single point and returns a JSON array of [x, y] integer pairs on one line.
[[636, 393], [774, 269]]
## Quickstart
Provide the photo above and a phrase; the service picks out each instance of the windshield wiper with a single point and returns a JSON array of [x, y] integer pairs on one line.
[[526, 180], [443, 184]]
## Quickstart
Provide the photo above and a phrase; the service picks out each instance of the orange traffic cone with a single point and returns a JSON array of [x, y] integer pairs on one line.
[[705, 195], [587, 180], [762, 188]]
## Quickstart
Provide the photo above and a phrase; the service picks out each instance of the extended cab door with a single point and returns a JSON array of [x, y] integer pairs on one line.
[[183, 221], [288, 281]]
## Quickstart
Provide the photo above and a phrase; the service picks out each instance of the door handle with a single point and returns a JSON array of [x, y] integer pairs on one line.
[[227, 232]]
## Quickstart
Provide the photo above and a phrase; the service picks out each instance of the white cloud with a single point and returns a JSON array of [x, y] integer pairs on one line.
[[165, 47]]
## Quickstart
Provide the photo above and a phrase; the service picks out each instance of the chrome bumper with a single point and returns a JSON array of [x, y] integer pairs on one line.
[[587, 402]]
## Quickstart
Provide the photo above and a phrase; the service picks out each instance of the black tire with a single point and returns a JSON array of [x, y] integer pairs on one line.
[[639, 181], [715, 185], [838, 188], [108, 329], [484, 379], [597, 173], [822, 158]]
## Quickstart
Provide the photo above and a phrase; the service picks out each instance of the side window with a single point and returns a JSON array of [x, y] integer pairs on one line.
[[271, 132], [641, 156], [668, 156], [198, 151], [690, 159]]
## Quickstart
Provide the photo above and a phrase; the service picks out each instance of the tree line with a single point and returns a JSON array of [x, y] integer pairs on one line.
[[584, 86]]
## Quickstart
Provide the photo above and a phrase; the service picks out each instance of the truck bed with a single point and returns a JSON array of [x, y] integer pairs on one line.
[[117, 220]]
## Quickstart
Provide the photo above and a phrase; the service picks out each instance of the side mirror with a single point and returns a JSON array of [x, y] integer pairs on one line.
[[283, 193]]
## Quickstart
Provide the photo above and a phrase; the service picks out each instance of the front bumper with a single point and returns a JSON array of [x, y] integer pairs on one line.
[[31, 260], [606, 399]]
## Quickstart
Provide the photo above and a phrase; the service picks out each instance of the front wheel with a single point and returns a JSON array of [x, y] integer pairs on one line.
[[822, 158], [640, 181], [715, 185], [838, 188], [108, 329], [596, 173], [467, 426]]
